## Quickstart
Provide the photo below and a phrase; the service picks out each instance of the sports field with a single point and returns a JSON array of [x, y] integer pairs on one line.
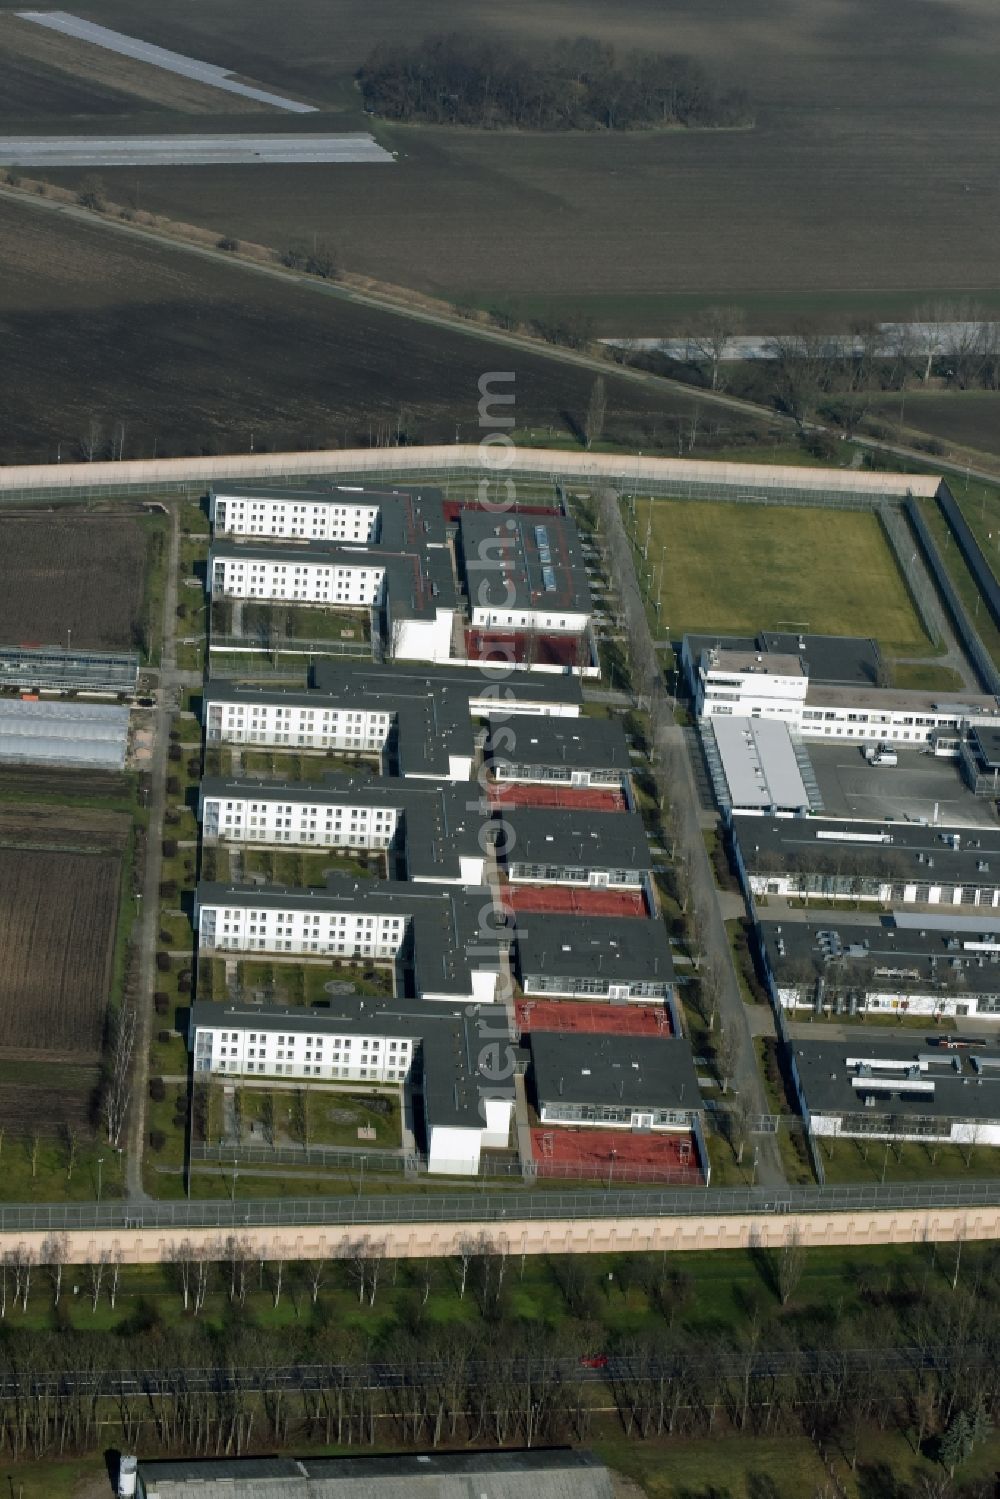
[[743, 568]]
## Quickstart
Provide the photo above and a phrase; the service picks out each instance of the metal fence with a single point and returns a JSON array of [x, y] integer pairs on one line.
[[482, 1208], [966, 630]]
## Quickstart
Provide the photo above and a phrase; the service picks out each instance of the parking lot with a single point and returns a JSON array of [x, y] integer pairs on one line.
[[909, 791]]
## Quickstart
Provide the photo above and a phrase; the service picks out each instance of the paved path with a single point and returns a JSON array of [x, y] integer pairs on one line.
[[148, 934]]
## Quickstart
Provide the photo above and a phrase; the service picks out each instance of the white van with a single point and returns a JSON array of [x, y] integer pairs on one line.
[[880, 754]]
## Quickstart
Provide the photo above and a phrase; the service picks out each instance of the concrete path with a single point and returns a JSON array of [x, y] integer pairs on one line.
[[166, 701]]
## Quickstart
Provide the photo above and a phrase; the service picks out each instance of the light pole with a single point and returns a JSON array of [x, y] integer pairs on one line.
[[100, 1179], [611, 1169]]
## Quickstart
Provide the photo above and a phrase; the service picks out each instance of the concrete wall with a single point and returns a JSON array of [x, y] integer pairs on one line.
[[489, 462], [584, 1236]]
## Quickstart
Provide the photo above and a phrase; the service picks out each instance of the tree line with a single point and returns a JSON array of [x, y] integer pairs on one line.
[[917, 1349], [573, 84]]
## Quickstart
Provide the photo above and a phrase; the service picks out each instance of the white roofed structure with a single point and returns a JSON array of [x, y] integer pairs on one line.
[[55, 733]]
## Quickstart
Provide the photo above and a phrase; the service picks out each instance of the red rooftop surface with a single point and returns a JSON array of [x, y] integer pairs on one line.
[[593, 798], [518, 647], [594, 1018], [558, 898], [453, 508], [617, 1155]]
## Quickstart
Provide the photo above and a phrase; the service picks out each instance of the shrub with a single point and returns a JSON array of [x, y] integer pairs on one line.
[[163, 962], [157, 1140], [161, 1002], [225, 243], [169, 847], [157, 1089], [184, 983], [163, 1035], [173, 786], [168, 889], [166, 938], [91, 194]]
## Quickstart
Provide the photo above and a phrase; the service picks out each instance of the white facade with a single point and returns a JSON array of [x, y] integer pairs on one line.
[[337, 518], [323, 1054], [892, 1002], [328, 928], [873, 888], [297, 821], [331, 581], [279, 724], [545, 620], [747, 686]]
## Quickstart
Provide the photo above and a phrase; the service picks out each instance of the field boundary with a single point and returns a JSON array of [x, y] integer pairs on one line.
[[967, 632]]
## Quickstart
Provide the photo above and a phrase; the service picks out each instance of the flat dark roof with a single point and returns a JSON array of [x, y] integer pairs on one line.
[[580, 743], [836, 660], [565, 836], [985, 743], [895, 1074], [589, 946], [900, 851], [644, 1071], [542, 568], [906, 959]]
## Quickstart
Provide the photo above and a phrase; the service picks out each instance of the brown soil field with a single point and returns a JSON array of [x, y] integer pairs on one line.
[[868, 184], [84, 830], [22, 783], [73, 77], [84, 573], [967, 418], [194, 355], [57, 926]]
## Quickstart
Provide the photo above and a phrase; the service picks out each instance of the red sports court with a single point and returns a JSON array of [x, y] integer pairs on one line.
[[544, 650], [595, 1018], [593, 798], [563, 898], [612, 1155]]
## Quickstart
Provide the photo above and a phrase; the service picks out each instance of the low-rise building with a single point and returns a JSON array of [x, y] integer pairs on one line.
[[578, 752], [824, 687], [340, 512], [863, 1089], [565, 847], [524, 572], [757, 767], [599, 958], [430, 832], [546, 1473], [443, 944], [446, 1057], [890, 863], [614, 1082], [892, 969], [978, 751]]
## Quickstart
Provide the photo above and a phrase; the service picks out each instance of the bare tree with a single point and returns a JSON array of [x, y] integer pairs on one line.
[[727, 1053], [710, 337], [466, 1251], [791, 1264], [314, 1271], [54, 1254], [95, 1277], [23, 1260], [364, 1263], [277, 1268], [239, 1256], [118, 1084], [92, 441], [597, 407], [114, 1274]]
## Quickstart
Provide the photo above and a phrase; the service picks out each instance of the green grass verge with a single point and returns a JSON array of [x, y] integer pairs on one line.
[[740, 569], [964, 583]]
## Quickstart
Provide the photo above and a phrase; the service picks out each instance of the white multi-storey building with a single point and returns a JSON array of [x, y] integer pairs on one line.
[[465, 1108], [340, 579], [340, 514], [433, 831], [751, 685], [450, 939], [418, 722]]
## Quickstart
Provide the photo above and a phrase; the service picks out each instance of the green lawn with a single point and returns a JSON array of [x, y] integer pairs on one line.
[[740, 569], [925, 676], [308, 867], [321, 1116], [844, 1161]]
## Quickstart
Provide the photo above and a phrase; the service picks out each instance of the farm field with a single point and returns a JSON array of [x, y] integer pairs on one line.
[[830, 572], [963, 418], [214, 358], [57, 925], [891, 173], [74, 573]]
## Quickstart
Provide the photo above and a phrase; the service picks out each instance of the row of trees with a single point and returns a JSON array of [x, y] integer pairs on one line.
[[919, 1349], [809, 373], [579, 84]]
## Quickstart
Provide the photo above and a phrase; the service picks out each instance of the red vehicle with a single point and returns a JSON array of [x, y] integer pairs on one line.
[[594, 1361]]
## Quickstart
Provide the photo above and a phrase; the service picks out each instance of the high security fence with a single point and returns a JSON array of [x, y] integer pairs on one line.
[[971, 551], [480, 1209], [977, 653]]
